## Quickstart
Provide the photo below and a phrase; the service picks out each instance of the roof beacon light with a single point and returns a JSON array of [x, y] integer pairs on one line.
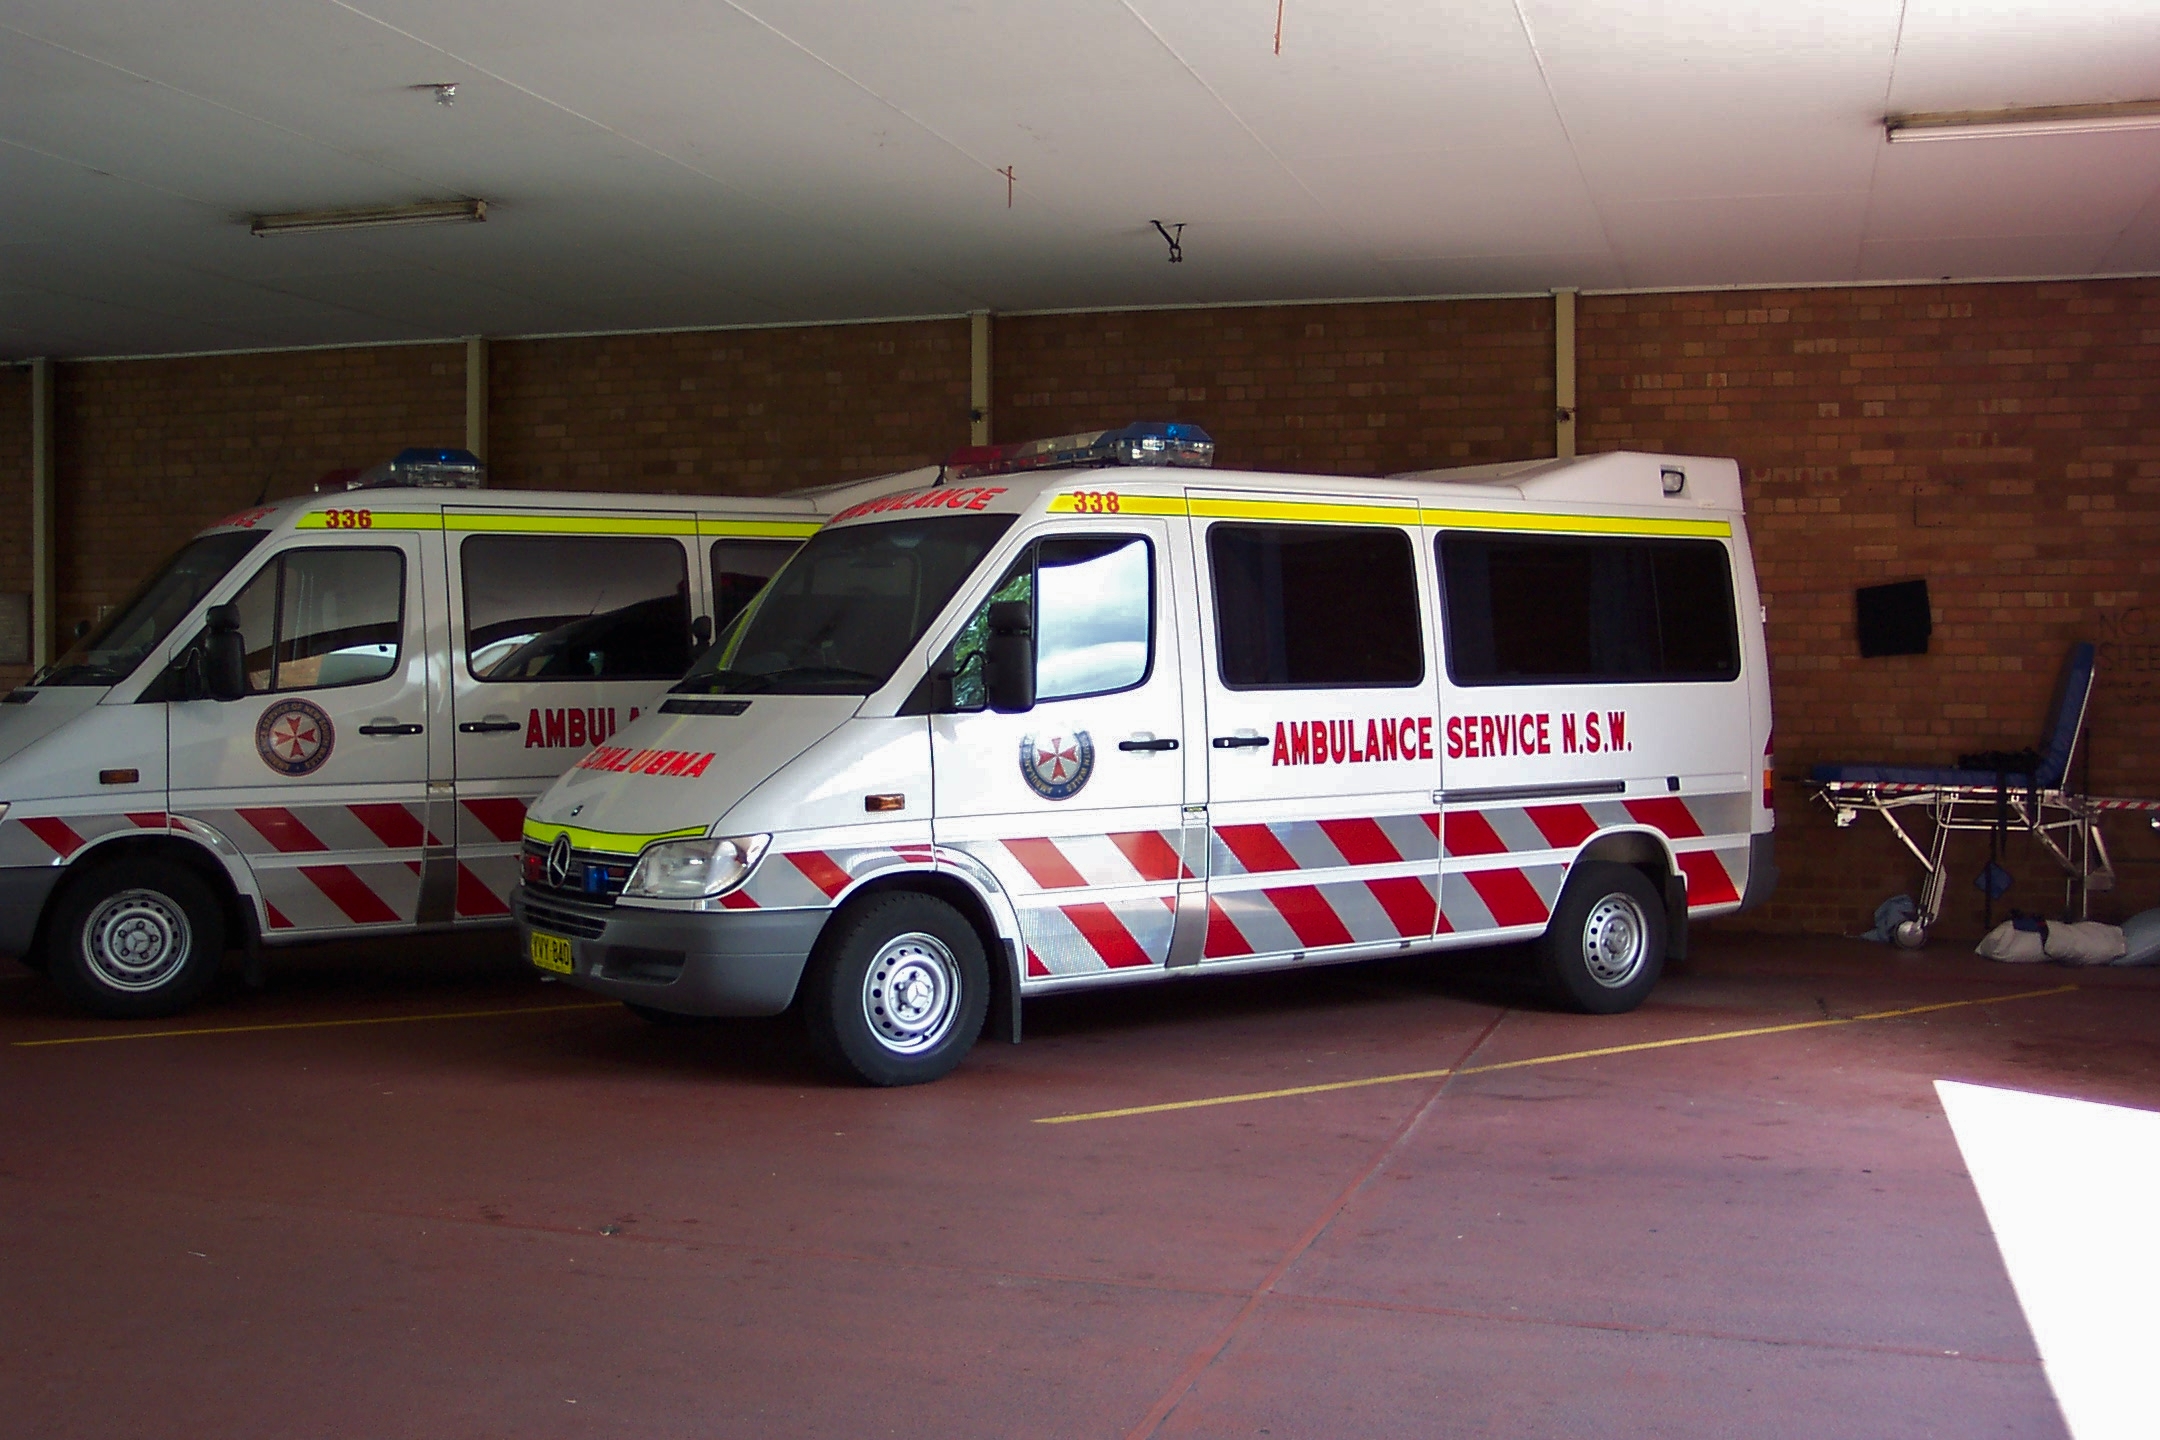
[[1147, 443], [418, 467]]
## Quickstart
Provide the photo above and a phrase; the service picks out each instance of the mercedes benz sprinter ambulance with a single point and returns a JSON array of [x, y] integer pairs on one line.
[[1084, 714], [326, 716]]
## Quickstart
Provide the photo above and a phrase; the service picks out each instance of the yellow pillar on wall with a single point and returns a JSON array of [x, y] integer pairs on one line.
[[979, 378], [1564, 374], [44, 624]]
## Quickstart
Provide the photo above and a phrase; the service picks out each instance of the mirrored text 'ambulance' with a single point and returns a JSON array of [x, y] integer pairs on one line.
[[1035, 728], [326, 716]]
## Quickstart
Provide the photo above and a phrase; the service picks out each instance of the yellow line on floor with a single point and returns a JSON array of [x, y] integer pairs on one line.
[[1409, 1075], [311, 1024]]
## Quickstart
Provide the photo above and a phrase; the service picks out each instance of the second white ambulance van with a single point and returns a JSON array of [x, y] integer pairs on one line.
[[325, 716], [1080, 715]]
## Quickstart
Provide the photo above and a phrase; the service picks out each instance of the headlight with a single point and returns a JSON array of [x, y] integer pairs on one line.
[[695, 869]]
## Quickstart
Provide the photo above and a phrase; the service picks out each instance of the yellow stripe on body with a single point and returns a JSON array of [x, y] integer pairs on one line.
[[606, 842], [1575, 524], [511, 521], [1070, 504], [1312, 511], [374, 519], [1355, 513], [759, 529]]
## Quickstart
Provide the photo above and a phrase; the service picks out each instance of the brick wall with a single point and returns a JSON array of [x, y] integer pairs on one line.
[[1364, 389], [744, 412], [1994, 439], [1999, 441], [14, 495], [149, 451]]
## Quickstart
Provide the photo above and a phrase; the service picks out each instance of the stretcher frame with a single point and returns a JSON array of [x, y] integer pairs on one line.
[[1924, 812]]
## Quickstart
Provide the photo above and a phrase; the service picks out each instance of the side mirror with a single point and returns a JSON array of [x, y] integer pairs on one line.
[[82, 628], [224, 654], [1009, 658], [701, 631]]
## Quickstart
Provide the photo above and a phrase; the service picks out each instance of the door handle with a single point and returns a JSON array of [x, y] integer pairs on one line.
[[1238, 742], [1149, 744], [488, 727], [386, 726]]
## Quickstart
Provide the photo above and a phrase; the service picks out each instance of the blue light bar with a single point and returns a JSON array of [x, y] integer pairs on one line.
[[422, 466], [1151, 442]]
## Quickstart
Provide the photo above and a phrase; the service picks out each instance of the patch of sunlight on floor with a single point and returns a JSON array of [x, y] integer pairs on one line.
[[2071, 1189]]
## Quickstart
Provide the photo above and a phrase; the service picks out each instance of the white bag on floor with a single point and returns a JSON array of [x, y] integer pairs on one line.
[[2019, 947], [2086, 942]]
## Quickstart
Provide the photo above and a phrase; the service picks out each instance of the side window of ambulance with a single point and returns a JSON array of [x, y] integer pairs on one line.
[[1301, 607], [575, 607], [316, 619], [740, 569], [1539, 610], [1094, 618]]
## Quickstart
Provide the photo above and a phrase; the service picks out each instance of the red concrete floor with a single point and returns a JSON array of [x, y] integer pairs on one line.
[[570, 1223]]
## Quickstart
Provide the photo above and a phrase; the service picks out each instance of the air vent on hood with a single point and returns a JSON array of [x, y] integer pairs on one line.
[[686, 705], [19, 697]]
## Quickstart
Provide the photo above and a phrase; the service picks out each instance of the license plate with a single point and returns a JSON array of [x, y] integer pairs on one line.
[[551, 952]]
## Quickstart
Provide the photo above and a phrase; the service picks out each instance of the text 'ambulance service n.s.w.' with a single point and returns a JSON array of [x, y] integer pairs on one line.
[[1085, 713]]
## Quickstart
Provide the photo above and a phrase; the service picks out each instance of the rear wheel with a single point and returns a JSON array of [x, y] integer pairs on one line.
[[135, 939], [1605, 946], [897, 991]]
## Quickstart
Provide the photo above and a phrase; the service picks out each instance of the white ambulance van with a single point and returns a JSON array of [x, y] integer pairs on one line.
[[325, 717], [1078, 715]]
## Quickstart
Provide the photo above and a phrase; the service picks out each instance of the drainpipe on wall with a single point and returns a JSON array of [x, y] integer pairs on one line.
[[979, 378], [44, 625], [1564, 373], [476, 395]]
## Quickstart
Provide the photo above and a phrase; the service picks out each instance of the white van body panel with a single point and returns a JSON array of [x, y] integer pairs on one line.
[[1446, 806], [412, 816]]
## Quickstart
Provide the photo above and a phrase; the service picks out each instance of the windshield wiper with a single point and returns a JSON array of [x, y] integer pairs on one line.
[[746, 682], [721, 682]]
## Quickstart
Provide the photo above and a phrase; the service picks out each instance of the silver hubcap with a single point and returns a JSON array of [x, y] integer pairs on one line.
[[1616, 941], [136, 940], [911, 994]]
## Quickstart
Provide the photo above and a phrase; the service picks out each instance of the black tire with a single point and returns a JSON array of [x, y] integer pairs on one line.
[[896, 991], [1605, 946], [136, 938]]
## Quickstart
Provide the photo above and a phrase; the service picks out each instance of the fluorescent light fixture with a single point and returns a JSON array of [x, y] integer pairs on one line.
[[2029, 120], [369, 217]]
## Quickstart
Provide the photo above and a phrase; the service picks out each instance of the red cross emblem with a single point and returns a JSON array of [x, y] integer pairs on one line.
[[295, 738], [1059, 765], [1057, 762]]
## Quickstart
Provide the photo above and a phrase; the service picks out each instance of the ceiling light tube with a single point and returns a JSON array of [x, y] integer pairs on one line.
[[2027, 120], [369, 217]]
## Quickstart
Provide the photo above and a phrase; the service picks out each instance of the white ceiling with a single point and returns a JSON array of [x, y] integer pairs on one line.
[[652, 163]]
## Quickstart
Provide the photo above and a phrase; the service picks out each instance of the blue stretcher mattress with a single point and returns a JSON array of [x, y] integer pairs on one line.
[[2055, 752]]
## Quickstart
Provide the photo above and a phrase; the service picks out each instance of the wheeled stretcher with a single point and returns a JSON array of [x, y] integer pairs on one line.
[[1923, 805]]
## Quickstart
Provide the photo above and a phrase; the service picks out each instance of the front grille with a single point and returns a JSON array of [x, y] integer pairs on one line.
[[560, 915], [592, 876], [632, 962]]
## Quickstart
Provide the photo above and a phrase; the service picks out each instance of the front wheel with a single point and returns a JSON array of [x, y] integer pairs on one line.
[[135, 939], [1605, 946], [897, 991]]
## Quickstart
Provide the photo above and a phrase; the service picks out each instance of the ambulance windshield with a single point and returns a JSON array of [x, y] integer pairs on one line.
[[110, 653], [846, 608]]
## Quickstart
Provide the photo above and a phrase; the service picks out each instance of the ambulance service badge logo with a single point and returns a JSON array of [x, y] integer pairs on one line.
[[294, 737], [1057, 766]]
